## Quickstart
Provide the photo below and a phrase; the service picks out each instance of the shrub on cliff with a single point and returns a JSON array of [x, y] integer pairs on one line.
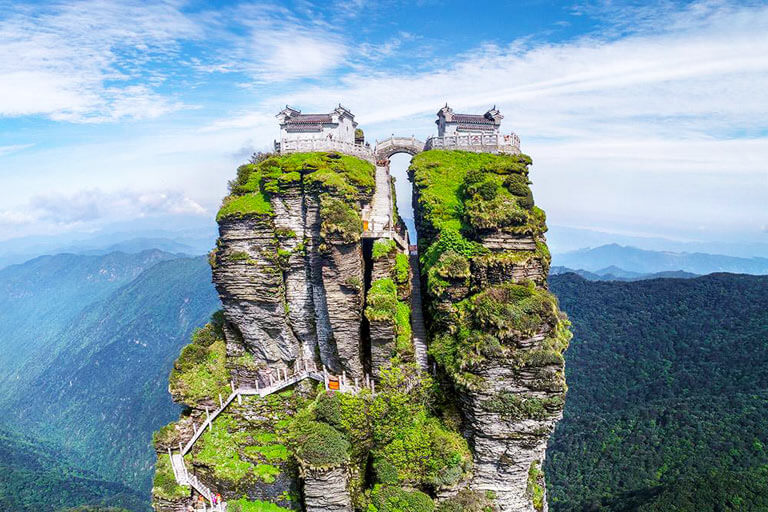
[[318, 444], [468, 501], [402, 269], [388, 498], [164, 485], [340, 221], [489, 323], [200, 373], [382, 301], [382, 247]]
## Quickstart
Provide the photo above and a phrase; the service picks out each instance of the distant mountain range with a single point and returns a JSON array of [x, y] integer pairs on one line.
[[562, 239], [88, 343], [624, 261], [618, 274], [187, 238]]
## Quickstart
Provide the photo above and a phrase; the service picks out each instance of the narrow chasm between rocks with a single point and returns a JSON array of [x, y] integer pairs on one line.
[[365, 327]]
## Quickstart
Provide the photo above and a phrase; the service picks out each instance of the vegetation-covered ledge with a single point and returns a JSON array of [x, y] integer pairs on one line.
[[342, 176]]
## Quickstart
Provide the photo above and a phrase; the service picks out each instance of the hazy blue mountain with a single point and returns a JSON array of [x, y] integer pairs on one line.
[[562, 239], [617, 274], [106, 390], [192, 236], [41, 298], [632, 259], [135, 245]]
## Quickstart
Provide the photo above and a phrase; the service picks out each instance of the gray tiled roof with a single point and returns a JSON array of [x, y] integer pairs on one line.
[[471, 119], [303, 127], [309, 119]]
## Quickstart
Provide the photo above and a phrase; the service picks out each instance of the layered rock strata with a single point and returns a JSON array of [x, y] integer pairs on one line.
[[495, 330], [291, 293], [326, 490]]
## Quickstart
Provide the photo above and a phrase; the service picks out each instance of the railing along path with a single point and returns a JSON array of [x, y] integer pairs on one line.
[[308, 371]]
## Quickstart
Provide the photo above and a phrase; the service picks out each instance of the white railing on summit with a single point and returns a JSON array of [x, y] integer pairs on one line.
[[476, 142], [283, 380], [309, 145]]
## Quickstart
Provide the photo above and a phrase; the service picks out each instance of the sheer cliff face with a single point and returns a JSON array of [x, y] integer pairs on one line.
[[291, 280], [494, 329]]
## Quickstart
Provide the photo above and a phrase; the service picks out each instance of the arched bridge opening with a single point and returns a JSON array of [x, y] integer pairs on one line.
[[394, 145], [395, 153]]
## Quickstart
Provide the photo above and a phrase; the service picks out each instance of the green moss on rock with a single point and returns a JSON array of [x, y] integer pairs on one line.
[[246, 505], [468, 501], [383, 247], [389, 498], [489, 323], [382, 301], [343, 176], [401, 272], [200, 372], [535, 488], [164, 485], [341, 222]]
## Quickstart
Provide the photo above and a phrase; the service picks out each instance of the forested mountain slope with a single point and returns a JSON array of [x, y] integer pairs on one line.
[[103, 392], [35, 476], [668, 395], [42, 297]]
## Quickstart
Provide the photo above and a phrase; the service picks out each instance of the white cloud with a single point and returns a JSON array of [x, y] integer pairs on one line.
[[6, 150], [290, 55], [94, 206], [694, 81], [275, 44], [87, 60]]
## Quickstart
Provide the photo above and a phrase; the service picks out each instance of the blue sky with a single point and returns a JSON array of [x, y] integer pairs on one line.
[[642, 118]]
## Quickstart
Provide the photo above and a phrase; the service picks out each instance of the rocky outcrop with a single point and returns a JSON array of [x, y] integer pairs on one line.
[[344, 305], [496, 331], [382, 333], [288, 293], [325, 490], [298, 284], [248, 277]]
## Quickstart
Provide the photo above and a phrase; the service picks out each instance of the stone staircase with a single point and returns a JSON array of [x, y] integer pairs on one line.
[[283, 380], [418, 329], [378, 218]]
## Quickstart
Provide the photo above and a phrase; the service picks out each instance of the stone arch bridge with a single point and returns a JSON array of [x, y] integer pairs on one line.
[[388, 147]]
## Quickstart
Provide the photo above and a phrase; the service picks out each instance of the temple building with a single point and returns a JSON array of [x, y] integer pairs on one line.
[[338, 125], [450, 123]]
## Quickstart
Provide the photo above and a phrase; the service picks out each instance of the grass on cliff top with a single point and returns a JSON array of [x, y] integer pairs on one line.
[[341, 175], [464, 197], [234, 453], [439, 175]]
